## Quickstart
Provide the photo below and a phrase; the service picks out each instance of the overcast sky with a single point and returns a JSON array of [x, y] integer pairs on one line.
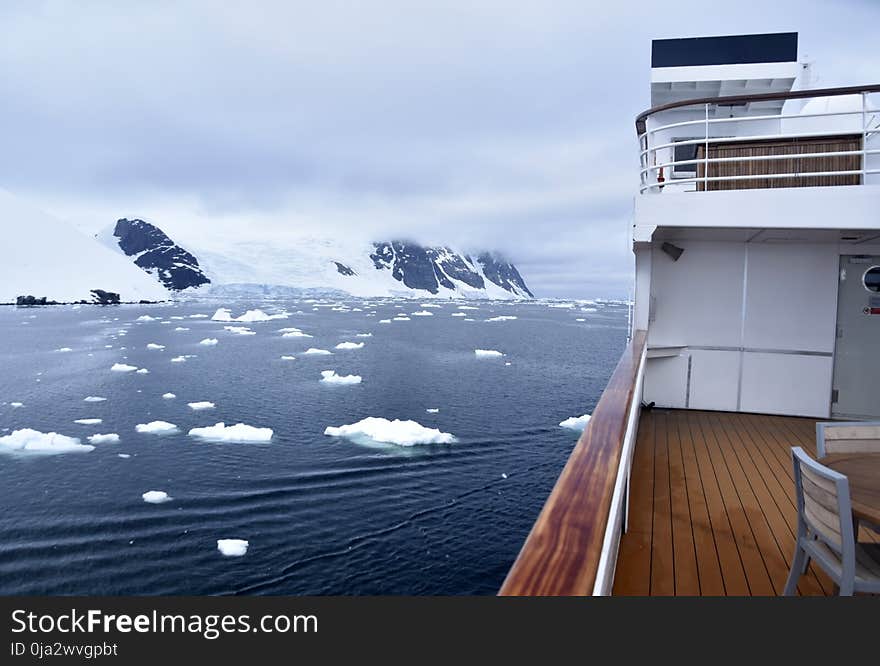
[[482, 124]]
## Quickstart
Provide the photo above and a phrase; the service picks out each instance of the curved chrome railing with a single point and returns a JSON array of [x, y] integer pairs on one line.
[[856, 129]]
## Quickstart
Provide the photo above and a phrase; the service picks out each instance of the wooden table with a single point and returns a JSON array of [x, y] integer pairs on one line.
[[863, 471]]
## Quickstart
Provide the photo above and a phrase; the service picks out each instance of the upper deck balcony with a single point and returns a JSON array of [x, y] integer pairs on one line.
[[795, 138]]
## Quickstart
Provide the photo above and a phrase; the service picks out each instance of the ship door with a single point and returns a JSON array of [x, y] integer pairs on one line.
[[856, 390]]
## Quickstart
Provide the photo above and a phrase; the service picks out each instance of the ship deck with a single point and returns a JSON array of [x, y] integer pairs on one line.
[[712, 507]]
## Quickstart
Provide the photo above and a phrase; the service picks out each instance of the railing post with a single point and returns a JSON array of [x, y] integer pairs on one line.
[[864, 134], [706, 154]]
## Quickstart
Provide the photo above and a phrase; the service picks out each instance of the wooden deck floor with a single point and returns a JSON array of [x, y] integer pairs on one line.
[[712, 506]]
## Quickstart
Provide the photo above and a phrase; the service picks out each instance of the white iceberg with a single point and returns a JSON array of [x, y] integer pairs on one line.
[[467, 307], [402, 433], [93, 398], [123, 367], [487, 353], [232, 547], [156, 497], [124, 455], [240, 432], [198, 406], [179, 359], [384, 321], [198, 316], [330, 377], [64, 349], [109, 438], [580, 319], [224, 314], [432, 410], [312, 351], [363, 335], [142, 371], [181, 328], [208, 342], [153, 345], [16, 404], [240, 330], [88, 421], [288, 358], [169, 396], [350, 345], [296, 334], [502, 318], [401, 319], [422, 313], [458, 314], [576, 422], [156, 428], [28, 440], [146, 318]]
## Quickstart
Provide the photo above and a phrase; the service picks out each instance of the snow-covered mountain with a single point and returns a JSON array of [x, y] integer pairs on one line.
[[390, 268], [42, 256], [153, 251]]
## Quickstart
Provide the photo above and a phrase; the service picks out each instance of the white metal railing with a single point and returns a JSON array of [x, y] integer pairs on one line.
[[661, 172]]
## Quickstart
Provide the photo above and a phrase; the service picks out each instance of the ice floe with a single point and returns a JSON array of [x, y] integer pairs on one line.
[[208, 342], [363, 335], [28, 440], [288, 358], [123, 367], [142, 371], [402, 433], [93, 398], [156, 497], [153, 345], [487, 353], [422, 313], [124, 455], [233, 547], [580, 319], [64, 349], [296, 334], [575, 422], [156, 427], [330, 377], [312, 351], [384, 321], [181, 328], [240, 330], [458, 314], [502, 318], [224, 314], [169, 396], [467, 307], [198, 316], [240, 432], [198, 406], [350, 345], [146, 318], [401, 319], [88, 421], [179, 359], [432, 410], [16, 405], [109, 438]]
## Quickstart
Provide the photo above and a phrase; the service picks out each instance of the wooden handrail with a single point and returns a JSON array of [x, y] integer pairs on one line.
[[562, 552], [757, 97]]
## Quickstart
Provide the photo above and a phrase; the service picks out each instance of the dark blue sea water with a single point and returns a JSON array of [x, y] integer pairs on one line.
[[322, 515]]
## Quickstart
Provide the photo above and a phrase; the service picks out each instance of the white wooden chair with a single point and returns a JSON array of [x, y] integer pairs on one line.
[[825, 532], [847, 437]]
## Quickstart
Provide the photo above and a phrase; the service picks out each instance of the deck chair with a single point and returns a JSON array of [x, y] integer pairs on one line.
[[847, 437], [825, 530]]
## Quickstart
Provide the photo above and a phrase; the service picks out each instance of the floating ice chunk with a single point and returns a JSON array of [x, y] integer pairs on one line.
[[430, 305], [468, 319], [142, 371], [181, 328], [589, 310], [467, 307], [401, 319], [503, 475], [330, 377], [502, 318], [109, 438], [16, 405], [240, 432], [146, 318], [290, 329], [350, 345], [169, 396], [422, 313], [156, 428], [240, 330], [402, 433], [28, 440], [208, 342], [153, 345], [198, 316], [88, 421], [224, 314], [93, 398], [64, 349], [575, 422], [179, 359], [580, 319], [123, 367], [363, 335], [288, 358], [124, 455], [198, 406], [296, 334], [458, 314], [487, 353], [312, 351], [507, 363], [561, 306], [156, 497], [232, 547], [384, 321], [432, 410]]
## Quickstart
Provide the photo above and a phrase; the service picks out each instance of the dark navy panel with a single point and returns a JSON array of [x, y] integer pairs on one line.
[[730, 50]]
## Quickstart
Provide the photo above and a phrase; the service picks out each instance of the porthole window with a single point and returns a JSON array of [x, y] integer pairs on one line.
[[872, 279]]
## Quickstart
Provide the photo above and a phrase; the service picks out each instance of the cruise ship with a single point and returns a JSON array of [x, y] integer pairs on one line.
[[756, 314]]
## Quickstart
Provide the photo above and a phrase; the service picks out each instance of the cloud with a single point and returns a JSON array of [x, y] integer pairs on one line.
[[481, 124]]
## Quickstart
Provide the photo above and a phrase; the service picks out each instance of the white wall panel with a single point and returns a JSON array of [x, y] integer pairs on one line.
[[786, 384]]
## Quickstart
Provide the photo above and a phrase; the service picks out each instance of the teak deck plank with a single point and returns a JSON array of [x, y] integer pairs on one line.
[[712, 507]]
